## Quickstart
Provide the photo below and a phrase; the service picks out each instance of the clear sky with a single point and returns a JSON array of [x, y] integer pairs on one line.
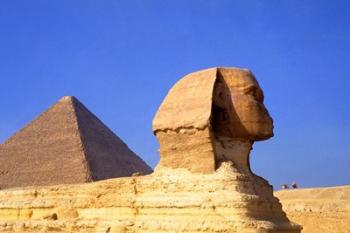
[[121, 57]]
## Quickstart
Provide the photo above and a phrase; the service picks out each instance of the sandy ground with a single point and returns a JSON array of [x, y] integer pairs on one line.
[[319, 210]]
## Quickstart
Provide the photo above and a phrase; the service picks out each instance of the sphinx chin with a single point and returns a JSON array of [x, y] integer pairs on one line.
[[263, 133]]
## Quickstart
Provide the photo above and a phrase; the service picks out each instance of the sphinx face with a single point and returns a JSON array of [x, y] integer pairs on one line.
[[240, 113]]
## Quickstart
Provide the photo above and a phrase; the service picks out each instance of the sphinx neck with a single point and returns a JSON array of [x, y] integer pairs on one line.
[[235, 150]]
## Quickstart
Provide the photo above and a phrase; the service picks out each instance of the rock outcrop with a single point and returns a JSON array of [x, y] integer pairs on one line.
[[171, 200], [318, 209], [206, 127], [66, 144]]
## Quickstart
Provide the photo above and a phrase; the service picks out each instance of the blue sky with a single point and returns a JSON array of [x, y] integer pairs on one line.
[[121, 57]]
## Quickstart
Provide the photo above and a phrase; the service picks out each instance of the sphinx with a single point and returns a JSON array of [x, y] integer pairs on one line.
[[206, 127]]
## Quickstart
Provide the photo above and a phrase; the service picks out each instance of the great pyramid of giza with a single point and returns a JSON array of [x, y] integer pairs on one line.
[[65, 144]]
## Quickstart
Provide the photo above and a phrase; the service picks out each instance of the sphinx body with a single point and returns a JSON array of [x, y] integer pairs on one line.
[[206, 127]]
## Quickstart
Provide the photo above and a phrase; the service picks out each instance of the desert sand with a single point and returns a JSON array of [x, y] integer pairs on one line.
[[318, 210]]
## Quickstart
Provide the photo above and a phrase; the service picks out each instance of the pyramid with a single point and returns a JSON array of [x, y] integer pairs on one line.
[[65, 144]]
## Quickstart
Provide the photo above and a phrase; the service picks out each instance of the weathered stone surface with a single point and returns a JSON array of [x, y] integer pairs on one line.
[[318, 209], [206, 127], [207, 109], [170, 200], [65, 144]]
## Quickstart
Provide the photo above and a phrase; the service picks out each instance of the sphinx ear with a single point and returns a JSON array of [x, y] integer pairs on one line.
[[220, 112]]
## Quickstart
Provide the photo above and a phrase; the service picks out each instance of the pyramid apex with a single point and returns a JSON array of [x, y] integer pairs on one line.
[[67, 98]]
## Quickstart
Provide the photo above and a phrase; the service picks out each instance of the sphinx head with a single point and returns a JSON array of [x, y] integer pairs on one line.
[[211, 116]]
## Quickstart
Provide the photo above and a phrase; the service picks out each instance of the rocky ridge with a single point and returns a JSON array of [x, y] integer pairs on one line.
[[170, 200]]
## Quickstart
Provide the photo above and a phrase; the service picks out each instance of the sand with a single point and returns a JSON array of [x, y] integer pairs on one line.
[[319, 210]]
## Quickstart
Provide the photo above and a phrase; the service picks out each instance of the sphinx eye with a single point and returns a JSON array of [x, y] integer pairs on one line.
[[256, 93], [252, 91]]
